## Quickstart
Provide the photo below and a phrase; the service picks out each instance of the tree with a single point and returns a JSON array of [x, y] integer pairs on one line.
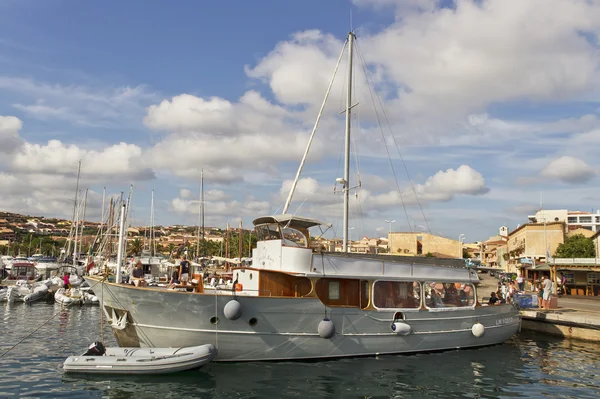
[[577, 246], [135, 247]]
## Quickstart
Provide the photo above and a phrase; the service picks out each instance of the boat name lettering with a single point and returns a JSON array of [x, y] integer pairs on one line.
[[506, 320]]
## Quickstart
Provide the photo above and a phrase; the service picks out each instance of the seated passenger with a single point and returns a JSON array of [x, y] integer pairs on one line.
[[493, 299]]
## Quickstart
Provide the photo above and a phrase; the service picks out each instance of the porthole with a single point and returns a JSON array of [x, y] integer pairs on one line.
[[253, 321], [214, 320], [250, 276]]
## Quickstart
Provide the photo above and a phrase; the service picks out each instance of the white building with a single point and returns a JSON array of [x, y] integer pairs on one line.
[[587, 220]]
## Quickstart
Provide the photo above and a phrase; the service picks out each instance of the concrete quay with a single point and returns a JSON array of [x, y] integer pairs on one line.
[[576, 317]]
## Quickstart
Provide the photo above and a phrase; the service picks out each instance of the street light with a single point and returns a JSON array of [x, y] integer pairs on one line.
[[390, 240], [460, 245]]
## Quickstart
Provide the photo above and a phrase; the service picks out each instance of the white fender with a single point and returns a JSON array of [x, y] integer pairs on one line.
[[478, 330]]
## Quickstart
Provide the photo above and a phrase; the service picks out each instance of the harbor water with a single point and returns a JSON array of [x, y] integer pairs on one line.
[[528, 366]]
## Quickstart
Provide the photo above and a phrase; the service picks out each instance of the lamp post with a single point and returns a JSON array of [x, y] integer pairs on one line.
[[390, 235], [460, 245]]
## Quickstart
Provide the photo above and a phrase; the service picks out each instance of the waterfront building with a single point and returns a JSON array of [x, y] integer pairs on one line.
[[585, 220], [421, 244]]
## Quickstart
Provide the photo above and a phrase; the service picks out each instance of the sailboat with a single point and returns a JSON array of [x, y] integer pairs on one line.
[[294, 303]]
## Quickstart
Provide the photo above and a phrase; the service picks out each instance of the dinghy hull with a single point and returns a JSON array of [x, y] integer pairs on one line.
[[142, 360]]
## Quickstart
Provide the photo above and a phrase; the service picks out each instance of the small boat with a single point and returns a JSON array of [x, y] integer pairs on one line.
[[99, 359], [38, 292], [75, 296]]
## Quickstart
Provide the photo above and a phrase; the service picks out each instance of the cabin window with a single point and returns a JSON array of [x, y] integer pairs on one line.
[[397, 294], [303, 286], [267, 232], [334, 290], [293, 237], [338, 292], [449, 295]]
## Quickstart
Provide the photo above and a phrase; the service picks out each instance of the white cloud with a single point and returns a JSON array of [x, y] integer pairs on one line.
[[444, 185], [188, 113], [9, 134], [184, 193], [119, 161], [569, 170]]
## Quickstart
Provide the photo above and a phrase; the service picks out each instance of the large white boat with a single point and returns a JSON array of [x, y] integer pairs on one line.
[[295, 303]]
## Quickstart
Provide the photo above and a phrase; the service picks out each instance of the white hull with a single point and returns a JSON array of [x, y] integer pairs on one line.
[[142, 361], [287, 328], [74, 296]]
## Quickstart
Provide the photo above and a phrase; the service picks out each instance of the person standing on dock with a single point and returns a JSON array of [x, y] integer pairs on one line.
[[547, 285], [521, 282]]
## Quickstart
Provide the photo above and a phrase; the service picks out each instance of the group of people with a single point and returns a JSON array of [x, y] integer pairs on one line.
[[504, 293], [180, 275]]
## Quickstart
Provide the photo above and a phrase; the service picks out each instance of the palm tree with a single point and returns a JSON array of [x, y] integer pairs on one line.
[[135, 247]]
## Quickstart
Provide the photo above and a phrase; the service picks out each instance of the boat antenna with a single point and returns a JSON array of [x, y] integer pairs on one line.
[[312, 135]]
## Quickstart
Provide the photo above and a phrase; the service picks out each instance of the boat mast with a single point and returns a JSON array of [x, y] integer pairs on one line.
[[312, 135], [83, 221], [199, 218], [347, 144], [152, 225], [68, 251], [202, 202], [120, 248]]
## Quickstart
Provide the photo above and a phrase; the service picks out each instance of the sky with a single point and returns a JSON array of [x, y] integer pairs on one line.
[[469, 114]]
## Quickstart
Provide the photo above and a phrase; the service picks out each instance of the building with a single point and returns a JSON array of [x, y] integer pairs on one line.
[[586, 220], [421, 244], [532, 243]]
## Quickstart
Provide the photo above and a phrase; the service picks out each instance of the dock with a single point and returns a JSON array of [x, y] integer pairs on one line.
[[576, 317]]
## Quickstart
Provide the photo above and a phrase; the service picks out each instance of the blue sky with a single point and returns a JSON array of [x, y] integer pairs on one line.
[[492, 104]]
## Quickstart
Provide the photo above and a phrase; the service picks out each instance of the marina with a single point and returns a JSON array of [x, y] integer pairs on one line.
[[348, 199], [527, 365]]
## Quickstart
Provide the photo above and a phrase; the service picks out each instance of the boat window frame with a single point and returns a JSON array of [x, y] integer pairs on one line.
[[451, 303], [268, 232], [417, 304], [291, 240]]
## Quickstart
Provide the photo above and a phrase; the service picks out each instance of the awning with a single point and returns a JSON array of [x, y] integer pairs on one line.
[[292, 220]]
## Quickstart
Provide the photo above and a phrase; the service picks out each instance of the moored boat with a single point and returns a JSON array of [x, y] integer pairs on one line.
[[139, 360], [295, 303], [75, 296]]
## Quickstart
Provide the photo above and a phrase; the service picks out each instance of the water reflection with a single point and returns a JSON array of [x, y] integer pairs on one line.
[[526, 366]]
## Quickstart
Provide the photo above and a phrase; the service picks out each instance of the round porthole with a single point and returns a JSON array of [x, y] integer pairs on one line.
[[250, 276], [253, 321], [214, 320]]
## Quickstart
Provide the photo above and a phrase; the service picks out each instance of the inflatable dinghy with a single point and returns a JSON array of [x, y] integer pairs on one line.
[[99, 359]]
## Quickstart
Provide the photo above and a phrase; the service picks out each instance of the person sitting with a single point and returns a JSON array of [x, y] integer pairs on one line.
[[493, 299], [174, 279], [137, 275]]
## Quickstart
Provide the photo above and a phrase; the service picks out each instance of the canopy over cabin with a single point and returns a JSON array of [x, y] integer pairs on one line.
[[291, 229]]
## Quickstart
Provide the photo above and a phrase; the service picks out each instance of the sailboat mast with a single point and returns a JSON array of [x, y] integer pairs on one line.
[[152, 225], [202, 214], [347, 144], [199, 221]]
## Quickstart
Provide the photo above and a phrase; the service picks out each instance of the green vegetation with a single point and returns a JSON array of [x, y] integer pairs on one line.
[[577, 246]]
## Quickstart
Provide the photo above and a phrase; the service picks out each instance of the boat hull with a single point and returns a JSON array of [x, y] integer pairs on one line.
[[142, 361], [271, 328]]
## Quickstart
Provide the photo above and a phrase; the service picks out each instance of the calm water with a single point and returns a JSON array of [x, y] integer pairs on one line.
[[527, 366]]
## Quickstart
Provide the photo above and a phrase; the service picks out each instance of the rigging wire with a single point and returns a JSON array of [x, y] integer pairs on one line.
[[368, 77]]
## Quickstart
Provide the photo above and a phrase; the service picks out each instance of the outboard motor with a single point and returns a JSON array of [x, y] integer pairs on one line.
[[95, 349]]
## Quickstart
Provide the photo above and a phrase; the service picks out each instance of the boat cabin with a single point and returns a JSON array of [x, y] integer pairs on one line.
[[22, 271], [284, 243]]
